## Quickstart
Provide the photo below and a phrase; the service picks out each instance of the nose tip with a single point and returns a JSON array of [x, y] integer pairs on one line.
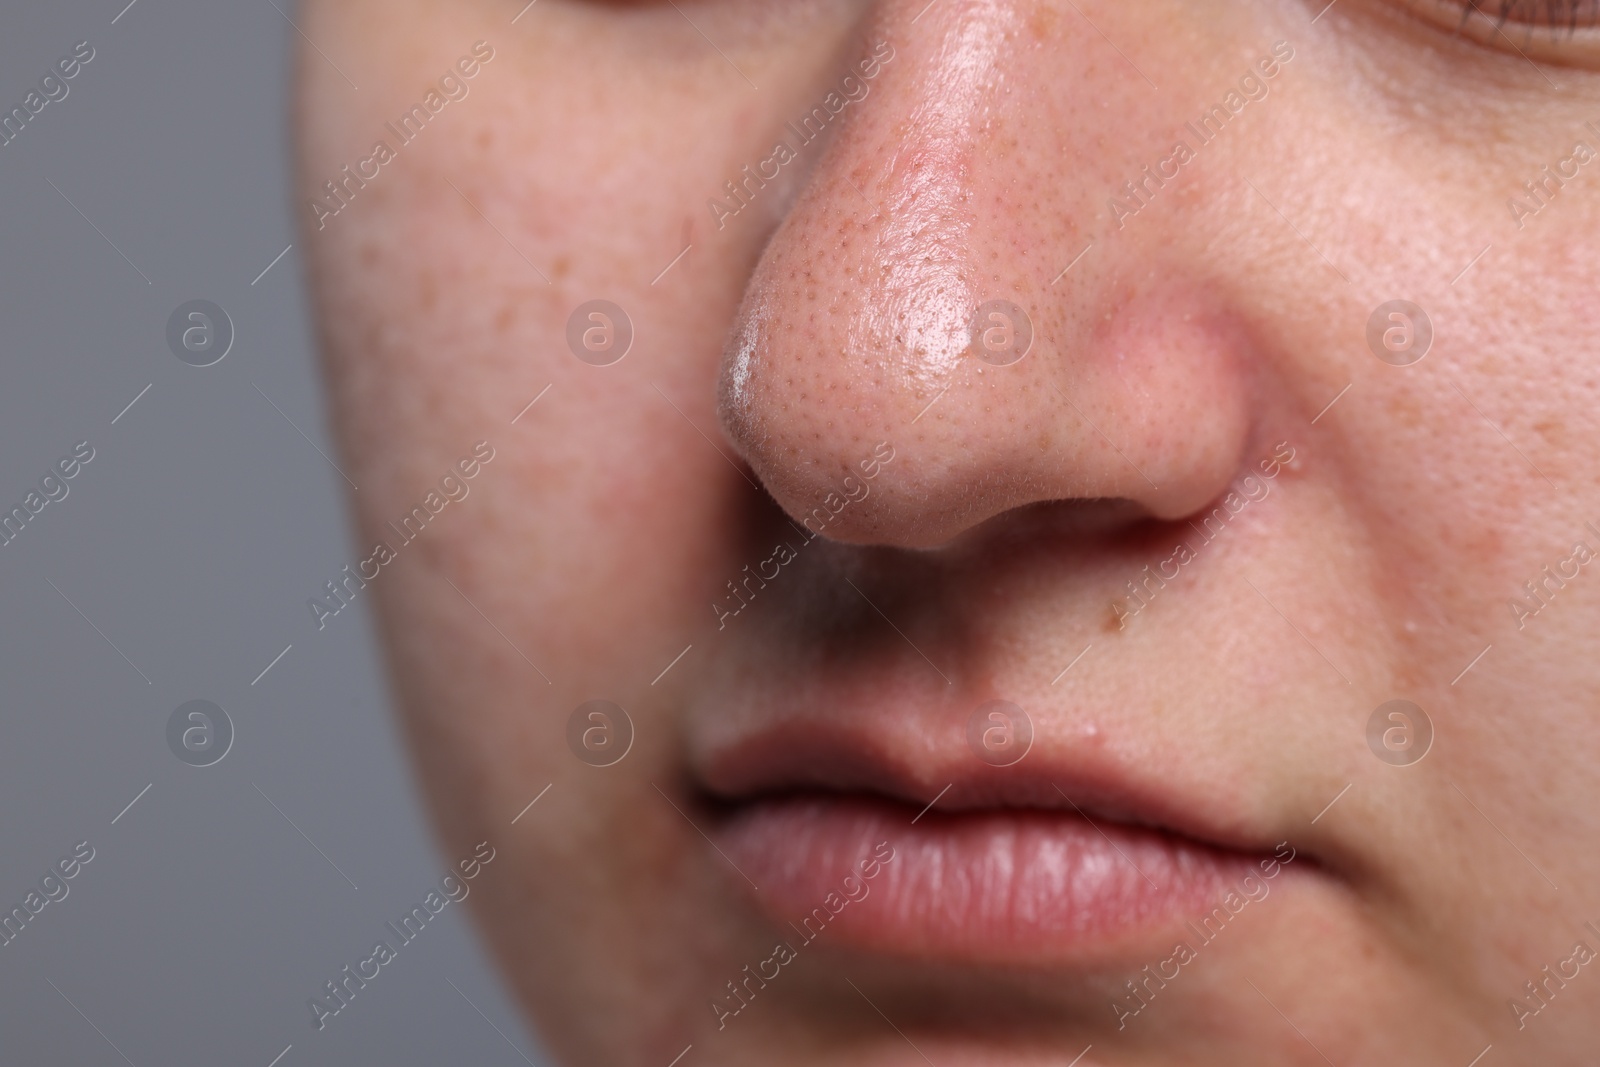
[[840, 348], [1149, 407], [905, 307]]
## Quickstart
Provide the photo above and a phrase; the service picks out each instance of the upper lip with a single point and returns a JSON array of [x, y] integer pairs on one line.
[[918, 762]]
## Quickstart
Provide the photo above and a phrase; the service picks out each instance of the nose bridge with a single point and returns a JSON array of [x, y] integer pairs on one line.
[[866, 291], [926, 284], [951, 196]]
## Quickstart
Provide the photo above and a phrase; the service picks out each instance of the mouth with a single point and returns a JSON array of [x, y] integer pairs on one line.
[[899, 842]]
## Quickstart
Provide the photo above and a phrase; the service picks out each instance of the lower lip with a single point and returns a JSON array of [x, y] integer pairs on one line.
[[996, 886]]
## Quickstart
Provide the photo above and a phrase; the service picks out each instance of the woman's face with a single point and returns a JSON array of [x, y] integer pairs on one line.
[[1026, 448]]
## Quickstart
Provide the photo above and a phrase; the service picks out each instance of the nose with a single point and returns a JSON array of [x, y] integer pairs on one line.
[[950, 288]]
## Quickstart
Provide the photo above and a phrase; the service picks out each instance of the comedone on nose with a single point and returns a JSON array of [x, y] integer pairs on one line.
[[901, 360]]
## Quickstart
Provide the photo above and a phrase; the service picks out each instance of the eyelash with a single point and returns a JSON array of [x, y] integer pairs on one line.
[[1554, 15]]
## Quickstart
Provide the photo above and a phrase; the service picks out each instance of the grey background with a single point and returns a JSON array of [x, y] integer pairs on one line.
[[191, 541]]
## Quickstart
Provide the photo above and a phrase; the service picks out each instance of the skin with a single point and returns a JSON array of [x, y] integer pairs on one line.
[[1192, 338]]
